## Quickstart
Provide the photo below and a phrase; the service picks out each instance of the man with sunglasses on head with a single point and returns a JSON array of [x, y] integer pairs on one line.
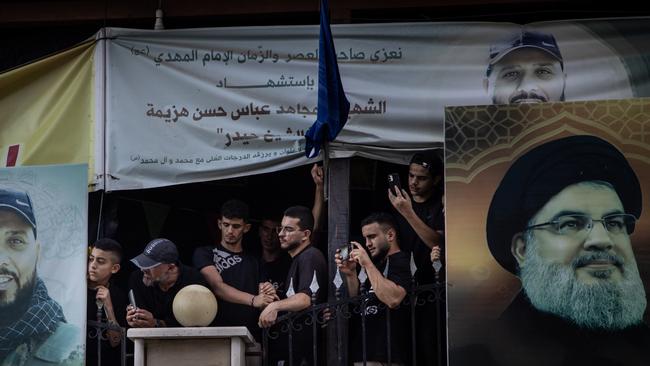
[[561, 220]]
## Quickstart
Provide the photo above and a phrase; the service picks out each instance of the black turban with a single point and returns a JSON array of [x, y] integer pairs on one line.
[[545, 171]]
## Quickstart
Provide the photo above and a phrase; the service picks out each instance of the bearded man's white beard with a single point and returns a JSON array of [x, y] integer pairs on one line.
[[604, 305]]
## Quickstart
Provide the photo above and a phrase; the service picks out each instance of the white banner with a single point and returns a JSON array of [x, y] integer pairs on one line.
[[202, 104]]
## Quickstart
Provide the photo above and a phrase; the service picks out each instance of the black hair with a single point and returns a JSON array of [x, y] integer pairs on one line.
[[303, 214], [271, 215], [110, 245], [235, 209], [385, 220]]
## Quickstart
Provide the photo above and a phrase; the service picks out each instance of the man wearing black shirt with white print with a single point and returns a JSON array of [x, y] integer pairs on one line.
[[306, 261], [388, 276], [234, 276]]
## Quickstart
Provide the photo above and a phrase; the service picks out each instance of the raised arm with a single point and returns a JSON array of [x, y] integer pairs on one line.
[[317, 175], [403, 205]]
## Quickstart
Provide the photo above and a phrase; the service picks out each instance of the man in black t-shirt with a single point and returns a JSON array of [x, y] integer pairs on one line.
[[107, 299], [306, 262], [388, 277], [275, 261], [420, 219], [421, 225], [235, 277], [154, 289]]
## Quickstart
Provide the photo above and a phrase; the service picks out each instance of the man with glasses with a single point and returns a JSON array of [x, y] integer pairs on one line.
[[561, 221], [276, 261], [307, 264]]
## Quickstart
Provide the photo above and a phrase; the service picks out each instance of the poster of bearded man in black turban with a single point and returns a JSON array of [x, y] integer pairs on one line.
[[547, 237]]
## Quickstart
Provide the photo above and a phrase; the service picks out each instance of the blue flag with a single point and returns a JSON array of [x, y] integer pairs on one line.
[[333, 106]]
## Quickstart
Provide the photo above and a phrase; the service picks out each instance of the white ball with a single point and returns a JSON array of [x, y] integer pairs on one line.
[[195, 306]]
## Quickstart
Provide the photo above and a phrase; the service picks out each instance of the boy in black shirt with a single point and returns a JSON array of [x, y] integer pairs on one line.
[[107, 299]]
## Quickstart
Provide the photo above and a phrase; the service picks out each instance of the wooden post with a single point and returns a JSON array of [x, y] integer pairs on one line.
[[338, 235]]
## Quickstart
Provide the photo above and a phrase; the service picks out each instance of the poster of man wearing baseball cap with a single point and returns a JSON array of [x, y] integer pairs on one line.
[[43, 240], [547, 233]]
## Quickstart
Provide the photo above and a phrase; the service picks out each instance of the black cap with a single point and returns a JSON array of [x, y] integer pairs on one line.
[[429, 160], [158, 251], [543, 172], [20, 203], [524, 39]]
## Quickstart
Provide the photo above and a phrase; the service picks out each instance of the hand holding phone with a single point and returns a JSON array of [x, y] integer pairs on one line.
[[344, 252], [132, 299], [394, 183]]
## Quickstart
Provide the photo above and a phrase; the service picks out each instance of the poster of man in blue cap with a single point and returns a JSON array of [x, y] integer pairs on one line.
[[43, 229], [547, 233], [526, 67]]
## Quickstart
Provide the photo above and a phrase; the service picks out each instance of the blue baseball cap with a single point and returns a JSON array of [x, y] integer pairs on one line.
[[524, 39], [20, 203], [158, 251]]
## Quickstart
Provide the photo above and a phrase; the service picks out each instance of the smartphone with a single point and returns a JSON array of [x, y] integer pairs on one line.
[[344, 252], [394, 183], [132, 299]]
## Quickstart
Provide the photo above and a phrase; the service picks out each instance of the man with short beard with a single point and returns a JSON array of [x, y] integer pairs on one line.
[[561, 220], [307, 262], [162, 276], [388, 275], [33, 329], [526, 67]]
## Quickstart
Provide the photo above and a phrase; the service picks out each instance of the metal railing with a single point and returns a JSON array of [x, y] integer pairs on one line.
[[97, 334], [311, 323], [343, 309]]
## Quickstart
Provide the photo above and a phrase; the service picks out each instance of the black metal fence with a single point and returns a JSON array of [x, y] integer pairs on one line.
[[418, 303], [97, 335], [293, 331]]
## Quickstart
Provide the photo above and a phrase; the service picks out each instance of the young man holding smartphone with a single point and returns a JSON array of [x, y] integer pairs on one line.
[[421, 224], [389, 276]]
